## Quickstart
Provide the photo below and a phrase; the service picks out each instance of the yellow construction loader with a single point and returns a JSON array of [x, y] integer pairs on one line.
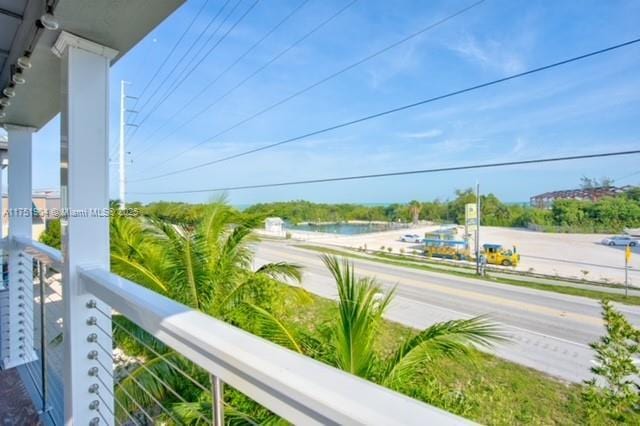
[[495, 254]]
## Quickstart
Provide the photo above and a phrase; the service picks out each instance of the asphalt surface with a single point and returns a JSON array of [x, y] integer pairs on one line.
[[549, 332]]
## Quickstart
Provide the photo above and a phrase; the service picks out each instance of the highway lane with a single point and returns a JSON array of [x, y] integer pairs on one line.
[[549, 331]]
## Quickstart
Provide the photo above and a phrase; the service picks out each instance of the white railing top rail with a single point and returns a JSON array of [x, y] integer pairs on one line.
[[298, 388], [42, 252]]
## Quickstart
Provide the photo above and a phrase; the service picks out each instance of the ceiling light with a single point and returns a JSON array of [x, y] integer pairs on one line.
[[18, 77], [9, 92], [5, 102], [49, 21], [25, 61]]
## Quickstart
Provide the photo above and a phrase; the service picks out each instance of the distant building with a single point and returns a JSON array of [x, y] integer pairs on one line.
[[43, 204], [545, 201], [274, 225]]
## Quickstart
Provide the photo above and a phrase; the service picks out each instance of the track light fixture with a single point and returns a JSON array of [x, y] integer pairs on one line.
[[5, 102], [9, 91], [18, 77], [49, 21], [24, 61]]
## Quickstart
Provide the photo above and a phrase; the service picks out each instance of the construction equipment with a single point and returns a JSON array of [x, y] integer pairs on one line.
[[495, 254], [446, 249]]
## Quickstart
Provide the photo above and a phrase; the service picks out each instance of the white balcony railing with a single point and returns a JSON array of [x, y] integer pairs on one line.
[[295, 387]]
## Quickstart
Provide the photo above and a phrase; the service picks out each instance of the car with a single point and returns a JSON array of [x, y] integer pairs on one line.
[[411, 238], [620, 240]]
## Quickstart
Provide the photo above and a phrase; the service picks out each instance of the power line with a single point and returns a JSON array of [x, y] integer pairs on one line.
[[394, 110], [179, 81], [216, 79], [261, 68], [321, 81], [186, 52], [637, 172], [400, 173], [172, 51]]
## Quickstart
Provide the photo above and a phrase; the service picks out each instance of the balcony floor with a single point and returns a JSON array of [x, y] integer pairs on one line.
[[16, 407]]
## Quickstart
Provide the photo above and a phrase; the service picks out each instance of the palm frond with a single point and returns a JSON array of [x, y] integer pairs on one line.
[[282, 271], [137, 271], [142, 386], [361, 304], [190, 282], [193, 413], [215, 222], [134, 340], [272, 329], [230, 296], [455, 338]]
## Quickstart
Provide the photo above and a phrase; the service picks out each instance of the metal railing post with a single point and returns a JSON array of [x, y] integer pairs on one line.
[[217, 401]]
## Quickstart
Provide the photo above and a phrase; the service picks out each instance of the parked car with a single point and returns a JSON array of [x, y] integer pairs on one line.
[[620, 240], [411, 238]]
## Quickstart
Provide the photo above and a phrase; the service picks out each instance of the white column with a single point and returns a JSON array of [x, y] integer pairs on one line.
[[18, 337], [84, 180]]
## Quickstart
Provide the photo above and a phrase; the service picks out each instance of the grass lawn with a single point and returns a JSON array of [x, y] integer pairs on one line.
[[591, 294], [486, 389]]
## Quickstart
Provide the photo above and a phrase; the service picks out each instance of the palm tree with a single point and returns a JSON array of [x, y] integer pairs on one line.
[[361, 306], [207, 267], [414, 209]]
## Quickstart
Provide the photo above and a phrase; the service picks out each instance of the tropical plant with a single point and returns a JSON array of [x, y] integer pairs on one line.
[[207, 267], [353, 335], [614, 392], [52, 234], [414, 209], [361, 305]]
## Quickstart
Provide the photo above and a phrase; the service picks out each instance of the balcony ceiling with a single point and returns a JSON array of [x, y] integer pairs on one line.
[[118, 24], [11, 13]]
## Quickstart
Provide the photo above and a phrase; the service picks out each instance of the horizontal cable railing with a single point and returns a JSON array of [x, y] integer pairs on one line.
[[158, 361], [40, 268], [42, 252], [295, 387]]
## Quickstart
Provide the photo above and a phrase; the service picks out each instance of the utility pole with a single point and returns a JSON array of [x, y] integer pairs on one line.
[[477, 228], [123, 177], [123, 152]]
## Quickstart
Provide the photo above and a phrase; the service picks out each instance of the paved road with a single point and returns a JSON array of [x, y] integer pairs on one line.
[[549, 331]]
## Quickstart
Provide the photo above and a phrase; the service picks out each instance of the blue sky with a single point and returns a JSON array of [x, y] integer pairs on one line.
[[585, 107]]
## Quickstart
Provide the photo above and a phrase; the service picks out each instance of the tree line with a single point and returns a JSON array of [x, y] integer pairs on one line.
[[610, 214]]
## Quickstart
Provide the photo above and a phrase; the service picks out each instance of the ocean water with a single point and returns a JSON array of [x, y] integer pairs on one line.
[[345, 228], [242, 207]]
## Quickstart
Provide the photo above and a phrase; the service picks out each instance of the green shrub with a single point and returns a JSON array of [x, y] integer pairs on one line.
[[614, 393]]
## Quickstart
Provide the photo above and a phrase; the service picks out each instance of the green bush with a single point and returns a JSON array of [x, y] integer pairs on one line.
[[52, 235], [614, 394]]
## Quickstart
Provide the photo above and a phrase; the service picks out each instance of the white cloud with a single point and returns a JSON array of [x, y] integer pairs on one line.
[[489, 54], [428, 134], [519, 145]]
